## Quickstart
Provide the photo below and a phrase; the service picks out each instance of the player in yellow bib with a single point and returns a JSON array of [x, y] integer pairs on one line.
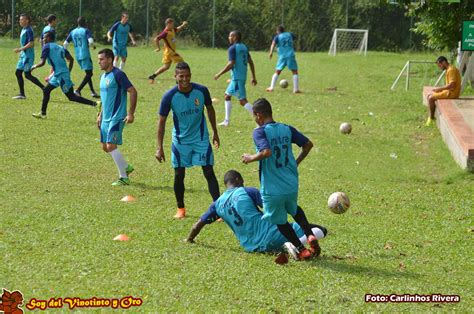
[[451, 90], [168, 35]]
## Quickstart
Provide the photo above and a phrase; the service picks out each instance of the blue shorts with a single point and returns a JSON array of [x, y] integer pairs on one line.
[[277, 239], [63, 80], [111, 131], [289, 62], [277, 207], [120, 51], [85, 64], [237, 88], [25, 63], [195, 154]]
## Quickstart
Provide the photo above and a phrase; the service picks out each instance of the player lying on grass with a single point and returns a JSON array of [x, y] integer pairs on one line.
[[239, 206]]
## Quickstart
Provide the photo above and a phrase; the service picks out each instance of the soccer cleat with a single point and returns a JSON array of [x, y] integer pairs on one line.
[[39, 115], [224, 123], [19, 97], [297, 91], [129, 169], [282, 259], [121, 181], [269, 89], [95, 95], [304, 254], [291, 250], [429, 122], [315, 249], [180, 213], [77, 92]]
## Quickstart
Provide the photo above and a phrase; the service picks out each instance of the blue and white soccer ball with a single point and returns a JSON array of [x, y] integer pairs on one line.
[[338, 202]]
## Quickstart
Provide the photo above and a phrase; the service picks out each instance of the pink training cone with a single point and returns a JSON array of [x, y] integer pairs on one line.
[[122, 237], [128, 198]]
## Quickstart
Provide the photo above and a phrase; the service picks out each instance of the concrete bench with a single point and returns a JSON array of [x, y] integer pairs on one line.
[[455, 120]]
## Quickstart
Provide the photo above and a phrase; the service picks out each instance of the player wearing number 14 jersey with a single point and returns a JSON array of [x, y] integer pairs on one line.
[[279, 174]]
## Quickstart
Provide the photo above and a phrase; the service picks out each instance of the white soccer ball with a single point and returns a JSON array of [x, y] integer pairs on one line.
[[338, 202], [345, 128], [283, 83]]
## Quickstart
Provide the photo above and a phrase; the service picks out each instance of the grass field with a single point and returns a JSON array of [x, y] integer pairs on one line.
[[409, 229]]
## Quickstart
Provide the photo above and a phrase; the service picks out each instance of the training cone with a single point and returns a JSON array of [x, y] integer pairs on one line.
[[121, 237], [128, 198], [282, 259]]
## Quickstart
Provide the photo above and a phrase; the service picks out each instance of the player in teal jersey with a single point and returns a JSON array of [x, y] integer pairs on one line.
[[239, 57], [114, 86], [190, 141], [286, 57], [56, 56], [239, 207], [279, 174], [82, 38], [121, 30], [27, 56]]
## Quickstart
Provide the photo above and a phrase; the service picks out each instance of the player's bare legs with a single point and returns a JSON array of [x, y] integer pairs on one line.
[[163, 68]]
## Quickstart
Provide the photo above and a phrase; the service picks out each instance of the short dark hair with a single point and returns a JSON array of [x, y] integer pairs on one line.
[[262, 106], [233, 177], [237, 34], [182, 66], [48, 35], [26, 16], [107, 52], [81, 21], [280, 28], [50, 18], [441, 59]]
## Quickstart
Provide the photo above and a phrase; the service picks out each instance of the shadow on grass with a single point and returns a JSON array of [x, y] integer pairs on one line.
[[330, 263], [148, 187]]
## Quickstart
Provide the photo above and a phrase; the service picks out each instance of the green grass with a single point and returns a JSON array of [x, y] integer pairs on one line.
[[409, 230]]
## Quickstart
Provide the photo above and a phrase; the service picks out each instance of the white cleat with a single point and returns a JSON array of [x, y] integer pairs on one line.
[[224, 123], [292, 250], [19, 97]]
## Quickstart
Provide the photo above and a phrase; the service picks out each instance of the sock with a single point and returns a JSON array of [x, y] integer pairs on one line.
[[288, 232], [295, 83], [122, 65], [318, 233], [274, 80], [120, 162], [248, 106], [228, 109]]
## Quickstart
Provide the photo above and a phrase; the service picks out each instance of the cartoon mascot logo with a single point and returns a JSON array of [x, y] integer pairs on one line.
[[10, 302]]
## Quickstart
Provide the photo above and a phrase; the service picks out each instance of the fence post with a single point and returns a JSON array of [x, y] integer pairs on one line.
[[80, 7], [213, 23], [147, 36], [13, 18]]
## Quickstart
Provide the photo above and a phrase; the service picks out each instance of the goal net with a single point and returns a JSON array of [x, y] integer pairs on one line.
[[349, 40]]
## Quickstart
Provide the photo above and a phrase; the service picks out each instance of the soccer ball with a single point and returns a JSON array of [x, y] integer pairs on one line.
[[283, 83], [338, 202], [345, 128]]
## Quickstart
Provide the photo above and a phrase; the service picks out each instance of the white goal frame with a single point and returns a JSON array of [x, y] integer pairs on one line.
[[362, 47]]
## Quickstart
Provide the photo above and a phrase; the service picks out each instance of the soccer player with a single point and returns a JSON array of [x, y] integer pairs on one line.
[[114, 86], [27, 56], [56, 55], [121, 31], [451, 90], [190, 144], [168, 35], [82, 38], [279, 175], [286, 57], [239, 206], [239, 56]]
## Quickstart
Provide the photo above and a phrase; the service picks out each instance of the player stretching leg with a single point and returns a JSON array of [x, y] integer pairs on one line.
[[239, 56], [190, 145], [286, 57], [279, 175], [114, 86]]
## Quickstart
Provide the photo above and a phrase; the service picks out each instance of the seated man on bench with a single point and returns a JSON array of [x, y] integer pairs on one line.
[[451, 90]]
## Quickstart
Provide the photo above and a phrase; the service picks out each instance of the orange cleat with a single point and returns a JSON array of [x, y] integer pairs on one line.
[[314, 246], [180, 213], [304, 254]]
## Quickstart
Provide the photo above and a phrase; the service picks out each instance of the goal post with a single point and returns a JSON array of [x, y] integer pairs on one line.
[[345, 39]]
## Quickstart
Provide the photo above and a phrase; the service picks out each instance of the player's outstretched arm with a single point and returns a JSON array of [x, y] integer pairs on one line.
[[304, 151], [160, 154], [38, 65], [211, 115], [252, 70], [133, 104], [195, 231], [227, 68], [109, 36], [248, 158], [183, 25]]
